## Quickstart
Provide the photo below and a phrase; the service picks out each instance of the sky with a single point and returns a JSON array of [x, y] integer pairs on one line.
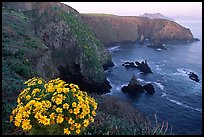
[[193, 9]]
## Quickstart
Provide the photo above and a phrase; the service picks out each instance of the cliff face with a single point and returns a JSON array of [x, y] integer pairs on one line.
[[128, 28], [48, 40]]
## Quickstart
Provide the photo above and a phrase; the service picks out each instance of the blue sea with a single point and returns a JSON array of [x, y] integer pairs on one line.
[[178, 99]]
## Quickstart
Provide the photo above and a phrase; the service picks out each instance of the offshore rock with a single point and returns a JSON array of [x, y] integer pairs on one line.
[[143, 66], [193, 76], [149, 88], [133, 87]]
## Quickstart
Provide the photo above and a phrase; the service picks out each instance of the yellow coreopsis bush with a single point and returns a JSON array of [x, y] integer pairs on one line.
[[55, 105]]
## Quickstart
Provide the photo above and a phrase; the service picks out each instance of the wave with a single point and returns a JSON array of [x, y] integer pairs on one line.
[[141, 80], [180, 103], [182, 71], [159, 49], [159, 85], [163, 95], [158, 68], [112, 49]]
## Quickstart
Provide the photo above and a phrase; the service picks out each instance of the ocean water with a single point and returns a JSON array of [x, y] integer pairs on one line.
[[178, 99]]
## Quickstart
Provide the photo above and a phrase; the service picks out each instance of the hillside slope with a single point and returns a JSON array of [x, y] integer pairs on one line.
[[48, 40], [110, 29]]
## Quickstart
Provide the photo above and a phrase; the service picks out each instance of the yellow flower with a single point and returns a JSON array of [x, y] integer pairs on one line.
[[78, 131], [28, 97], [81, 116], [33, 83], [11, 118], [27, 81], [42, 119], [45, 103], [71, 85], [18, 117], [18, 100], [58, 101], [26, 127], [70, 111], [59, 110], [66, 131], [38, 104], [70, 121], [65, 106], [74, 104], [26, 122], [95, 106], [60, 119], [17, 123], [52, 116], [72, 127], [66, 90], [47, 122], [39, 81], [92, 119], [26, 114], [77, 125], [73, 90], [86, 122], [52, 122], [93, 113], [50, 89], [37, 98], [32, 102], [86, 110], [49, 104], [38, 115], [76, 111], [35, 91], [59, 90], [54, 107]]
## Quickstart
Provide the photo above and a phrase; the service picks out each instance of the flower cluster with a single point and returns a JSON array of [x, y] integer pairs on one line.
[[54, 102]]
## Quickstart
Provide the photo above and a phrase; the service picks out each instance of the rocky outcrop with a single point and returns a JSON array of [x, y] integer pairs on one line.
[[132, 28], [193, 76], [134, 87], [157, 45], [71, 51], [149, 88], [143, 66]]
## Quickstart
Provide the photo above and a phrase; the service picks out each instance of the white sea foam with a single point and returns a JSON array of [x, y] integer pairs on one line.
[[141, 80], [158, 68], [163, 95], [159, 85], [180, 103], [139, 73], [159, 49], [184, 105], [182, 71], [112, 49], [147, 82]]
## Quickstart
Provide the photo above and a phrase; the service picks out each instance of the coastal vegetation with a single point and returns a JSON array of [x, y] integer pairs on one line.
[[58, 42]]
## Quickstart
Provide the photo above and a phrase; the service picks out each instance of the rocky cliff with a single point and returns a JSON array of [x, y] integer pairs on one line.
[[48, 40], [132, 28]]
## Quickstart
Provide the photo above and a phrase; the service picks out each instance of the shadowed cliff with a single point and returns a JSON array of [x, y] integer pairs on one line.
[[48, 40]]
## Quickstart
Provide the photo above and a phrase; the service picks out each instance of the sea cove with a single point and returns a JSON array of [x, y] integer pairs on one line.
[[177, 99]]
